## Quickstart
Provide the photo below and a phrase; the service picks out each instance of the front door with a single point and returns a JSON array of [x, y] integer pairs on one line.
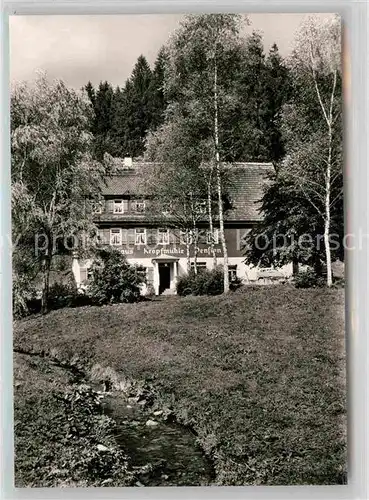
[[164, 277]]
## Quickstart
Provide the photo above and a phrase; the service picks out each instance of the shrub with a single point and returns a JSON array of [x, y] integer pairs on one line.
[[57, 441], [308, 279], [206, 282], [62, 295], [185, 284], [113, 279], [23, 294]]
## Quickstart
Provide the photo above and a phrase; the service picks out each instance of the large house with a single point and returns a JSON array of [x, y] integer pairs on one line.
[[124, 222]]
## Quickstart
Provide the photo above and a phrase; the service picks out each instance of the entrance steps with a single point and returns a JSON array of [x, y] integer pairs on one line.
[[168, 291]]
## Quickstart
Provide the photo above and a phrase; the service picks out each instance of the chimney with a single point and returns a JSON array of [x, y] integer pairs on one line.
[[127, 162]]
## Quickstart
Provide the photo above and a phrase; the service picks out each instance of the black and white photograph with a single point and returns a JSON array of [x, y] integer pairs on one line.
[[178, 244]]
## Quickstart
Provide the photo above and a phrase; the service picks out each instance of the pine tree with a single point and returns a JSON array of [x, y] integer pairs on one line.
[[158, 94], [101, 123], [138, 98], [119, 123], [247, 131], [89, 88], [278, 91]]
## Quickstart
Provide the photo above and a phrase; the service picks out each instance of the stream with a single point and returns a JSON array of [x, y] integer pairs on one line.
[[170, 447], [163, 452]]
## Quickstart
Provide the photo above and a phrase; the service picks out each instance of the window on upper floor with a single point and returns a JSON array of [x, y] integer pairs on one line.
[[138, 206], [100, 236], [115, 236], [167, 208], [163, 236], [212, 238], [185, 237], [140, 236], [118, 206], [97, 206], [202, 206]]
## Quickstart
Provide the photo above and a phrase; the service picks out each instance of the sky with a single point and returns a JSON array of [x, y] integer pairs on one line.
[[96, 48]]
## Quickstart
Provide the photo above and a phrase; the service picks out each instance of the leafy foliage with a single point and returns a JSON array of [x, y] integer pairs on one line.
[[66, 295], [294, 206], [23, 293], [52, 171], [113, 279], [59, 432], [205, 282], [308, 279]]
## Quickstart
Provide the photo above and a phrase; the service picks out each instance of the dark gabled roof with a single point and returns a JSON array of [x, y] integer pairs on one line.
[[246, 181], [246, 190], [125, 183]]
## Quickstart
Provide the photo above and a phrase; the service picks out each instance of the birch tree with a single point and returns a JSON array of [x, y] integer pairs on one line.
[[315, 160], [52, 171], [202, 53], [175, 183]]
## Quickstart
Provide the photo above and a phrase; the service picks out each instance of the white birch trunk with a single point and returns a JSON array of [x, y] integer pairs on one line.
[[219, 182], [211, 225], [328, 116], [195, 249], [327, 218], [188, 251]]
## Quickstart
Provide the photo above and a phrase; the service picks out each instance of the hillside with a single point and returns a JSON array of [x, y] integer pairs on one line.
[[259, 375]]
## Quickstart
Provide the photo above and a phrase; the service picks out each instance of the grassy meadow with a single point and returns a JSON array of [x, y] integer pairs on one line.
[[259, 375]]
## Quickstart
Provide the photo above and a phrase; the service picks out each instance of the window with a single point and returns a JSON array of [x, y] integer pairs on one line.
[[118, 206], [140, 236], [138, 206], [163, 236], [97, 207], [167, 208], [232, 272], [201, 266], [214, 237], [115, 236], [184, 236], [202, 206], [101, 238]]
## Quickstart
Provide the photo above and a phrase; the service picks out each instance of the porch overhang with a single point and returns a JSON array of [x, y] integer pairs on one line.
[[164, 258]]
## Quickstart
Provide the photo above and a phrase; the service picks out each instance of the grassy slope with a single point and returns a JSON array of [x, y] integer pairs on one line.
[[259, 374]]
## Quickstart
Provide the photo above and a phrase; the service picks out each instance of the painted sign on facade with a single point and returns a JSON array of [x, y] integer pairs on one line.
[[141, 243]]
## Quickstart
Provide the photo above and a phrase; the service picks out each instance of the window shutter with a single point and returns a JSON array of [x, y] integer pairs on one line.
[[131, 236], [103, 238], [179, 236], [172, 238], [110, 206], [124, 236], [125, 205], [150, 275], [151, 236]]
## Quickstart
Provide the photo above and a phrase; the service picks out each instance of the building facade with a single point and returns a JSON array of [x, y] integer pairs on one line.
[[123, 221]]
